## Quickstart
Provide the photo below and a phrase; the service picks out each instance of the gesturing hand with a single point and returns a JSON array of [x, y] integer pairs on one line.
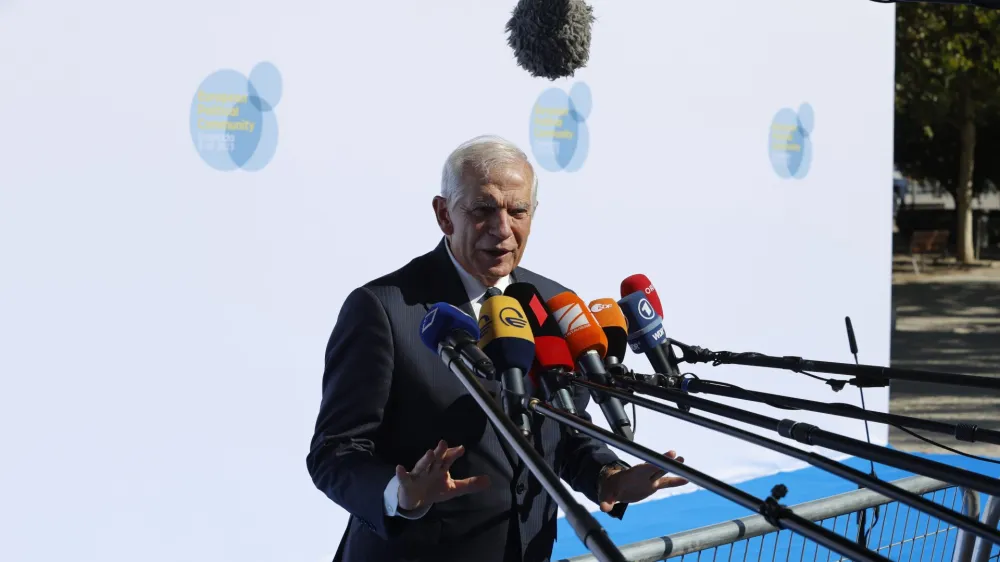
[[430, 481], [637, 483]]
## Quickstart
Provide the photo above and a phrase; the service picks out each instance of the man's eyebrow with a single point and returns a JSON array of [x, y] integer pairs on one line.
[[492, 203]]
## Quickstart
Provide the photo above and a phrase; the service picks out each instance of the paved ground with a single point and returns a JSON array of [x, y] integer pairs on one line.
[[947, 319]]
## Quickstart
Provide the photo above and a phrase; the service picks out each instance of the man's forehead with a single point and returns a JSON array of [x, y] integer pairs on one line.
[[492, 194]]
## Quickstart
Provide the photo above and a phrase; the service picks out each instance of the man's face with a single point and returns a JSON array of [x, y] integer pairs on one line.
[[488, 225]]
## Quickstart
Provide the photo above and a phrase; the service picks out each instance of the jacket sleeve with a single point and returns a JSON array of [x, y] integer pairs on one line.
[[584, 456], [344, 460]]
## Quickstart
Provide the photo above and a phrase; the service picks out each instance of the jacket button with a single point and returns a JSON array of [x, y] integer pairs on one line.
[[520, 488]]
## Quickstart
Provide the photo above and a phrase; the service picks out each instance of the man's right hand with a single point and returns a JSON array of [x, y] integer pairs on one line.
[[430, 481]]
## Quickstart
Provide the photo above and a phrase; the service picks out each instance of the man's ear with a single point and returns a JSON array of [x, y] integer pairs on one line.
[[443, 215]]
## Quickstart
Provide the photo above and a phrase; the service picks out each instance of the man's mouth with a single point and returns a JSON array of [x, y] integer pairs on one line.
[[497, 253]]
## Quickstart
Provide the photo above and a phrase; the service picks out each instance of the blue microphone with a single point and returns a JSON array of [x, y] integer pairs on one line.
[[646, 334], [447, 325]]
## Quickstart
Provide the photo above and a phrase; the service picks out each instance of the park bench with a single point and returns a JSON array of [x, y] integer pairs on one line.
[[927, 242]]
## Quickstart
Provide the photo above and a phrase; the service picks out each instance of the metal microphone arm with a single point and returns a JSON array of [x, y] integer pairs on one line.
[[811, 435], [586, 527], [866, 375], [885, 488], [776, 514], [962, 431]]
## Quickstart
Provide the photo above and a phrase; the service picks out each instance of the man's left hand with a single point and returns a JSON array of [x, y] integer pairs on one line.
[[637, 483]]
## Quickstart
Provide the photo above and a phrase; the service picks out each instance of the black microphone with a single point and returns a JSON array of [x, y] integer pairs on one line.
[[505, 338], [550, 38], [552, 357]]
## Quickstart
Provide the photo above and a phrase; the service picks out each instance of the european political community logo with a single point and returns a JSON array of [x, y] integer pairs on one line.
[[558, 130], [790, 141], [233, 121]]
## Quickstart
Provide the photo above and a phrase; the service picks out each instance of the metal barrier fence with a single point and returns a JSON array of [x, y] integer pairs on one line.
[[899, 532]]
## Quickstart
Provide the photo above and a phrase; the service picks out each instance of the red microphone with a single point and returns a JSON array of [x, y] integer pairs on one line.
[[640, 282]]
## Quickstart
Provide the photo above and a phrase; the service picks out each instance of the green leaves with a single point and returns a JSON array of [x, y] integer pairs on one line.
[[944, 53]]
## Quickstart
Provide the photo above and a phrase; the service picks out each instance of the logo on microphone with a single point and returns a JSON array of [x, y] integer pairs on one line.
[[790, 143], [558, 129], [649, 290], [571, 318], [513, 318], [646, 310], [485, 325], [598, 306], [428, 320], [233, 123]]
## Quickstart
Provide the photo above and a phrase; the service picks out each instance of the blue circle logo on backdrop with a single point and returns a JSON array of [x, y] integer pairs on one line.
[[233, 124], [558, 130], [790, 142]]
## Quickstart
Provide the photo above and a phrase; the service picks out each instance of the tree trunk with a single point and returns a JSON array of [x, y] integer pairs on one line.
[[963, 191]]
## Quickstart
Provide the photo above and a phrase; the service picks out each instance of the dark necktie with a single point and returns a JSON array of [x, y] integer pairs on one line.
[[491, 292]]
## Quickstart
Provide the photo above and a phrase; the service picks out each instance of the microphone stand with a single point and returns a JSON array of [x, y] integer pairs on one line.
[[865, 375], [886, 489], [776, 514], [812, 435], [586, 527], [962, 431]]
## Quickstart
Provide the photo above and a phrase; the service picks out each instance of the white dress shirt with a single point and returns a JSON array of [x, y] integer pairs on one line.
[[474, 290]]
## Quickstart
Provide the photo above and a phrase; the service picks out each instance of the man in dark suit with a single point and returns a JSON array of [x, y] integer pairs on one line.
[[389, 403]]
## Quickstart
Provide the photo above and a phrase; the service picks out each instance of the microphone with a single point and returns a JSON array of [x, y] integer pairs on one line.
[[448, 325], [646, 334], [588, 344], [552, 357], [550, 38], [640, 282], [610, 318], [506, 339]]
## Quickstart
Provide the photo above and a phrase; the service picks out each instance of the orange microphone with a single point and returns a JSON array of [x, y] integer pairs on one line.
[[612, 321], [588, 345]]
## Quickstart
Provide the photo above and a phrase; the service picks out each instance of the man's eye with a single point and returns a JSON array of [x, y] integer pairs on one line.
[[519, 213]]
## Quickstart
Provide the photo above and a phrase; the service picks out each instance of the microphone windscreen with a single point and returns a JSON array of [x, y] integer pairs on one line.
[[577, 324], [550, 38], [640, 282], [442, 319], [611, 319], [504, 335], [538, 313], [552, 352], [645, 326]]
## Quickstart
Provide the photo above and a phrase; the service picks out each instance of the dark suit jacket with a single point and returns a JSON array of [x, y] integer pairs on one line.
[[387, 399]]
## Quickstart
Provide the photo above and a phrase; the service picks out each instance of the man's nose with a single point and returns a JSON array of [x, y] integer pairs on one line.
[[500, 226]]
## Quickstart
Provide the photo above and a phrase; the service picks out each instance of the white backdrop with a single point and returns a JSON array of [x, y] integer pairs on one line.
[[162, 321]]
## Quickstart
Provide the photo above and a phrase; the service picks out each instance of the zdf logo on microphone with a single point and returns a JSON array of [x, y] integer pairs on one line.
[[599, 306]]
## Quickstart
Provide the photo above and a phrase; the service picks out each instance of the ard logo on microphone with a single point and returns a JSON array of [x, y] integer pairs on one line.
[[790, 141], [513, 318], [560, 138], [646, 310], [233, 120]]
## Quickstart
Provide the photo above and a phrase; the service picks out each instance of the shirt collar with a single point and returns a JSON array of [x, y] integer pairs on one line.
[[474, 289]]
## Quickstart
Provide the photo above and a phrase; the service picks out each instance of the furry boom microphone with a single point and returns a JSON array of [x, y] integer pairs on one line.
[[550, 38]]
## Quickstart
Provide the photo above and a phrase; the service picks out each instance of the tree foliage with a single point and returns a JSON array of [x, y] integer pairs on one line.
[[947, 55]]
